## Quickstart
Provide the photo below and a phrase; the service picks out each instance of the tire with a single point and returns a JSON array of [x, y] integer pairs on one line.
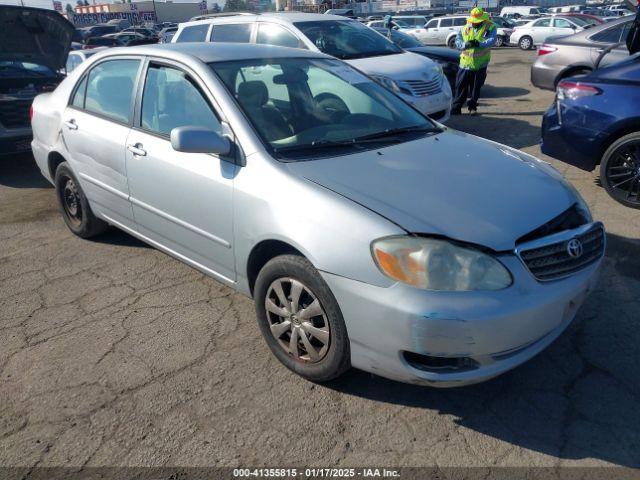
[[74, 206], [499, 41], [620, 170], [322, 327], [525, 43], [451, 43]]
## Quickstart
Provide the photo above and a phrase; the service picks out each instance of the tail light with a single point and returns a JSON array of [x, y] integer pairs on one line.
[[30, 113], [546, 49], [576, 90]]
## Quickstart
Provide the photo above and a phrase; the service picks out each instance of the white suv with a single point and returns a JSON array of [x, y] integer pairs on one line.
[[416, 79]]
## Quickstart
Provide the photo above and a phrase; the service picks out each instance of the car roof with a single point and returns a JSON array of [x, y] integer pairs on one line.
[[217, 52], [285, 17]]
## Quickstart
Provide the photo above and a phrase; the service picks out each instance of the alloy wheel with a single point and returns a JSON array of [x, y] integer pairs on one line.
[[525, 43], [623, 173], [297, 320]]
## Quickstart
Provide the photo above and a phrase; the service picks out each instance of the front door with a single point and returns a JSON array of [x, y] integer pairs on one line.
[[181, 201], [95, 128]]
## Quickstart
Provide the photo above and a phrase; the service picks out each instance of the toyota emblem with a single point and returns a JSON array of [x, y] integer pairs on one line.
[[574, 248]]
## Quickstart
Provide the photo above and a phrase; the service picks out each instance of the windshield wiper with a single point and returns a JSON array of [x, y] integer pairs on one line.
[[394, 132]]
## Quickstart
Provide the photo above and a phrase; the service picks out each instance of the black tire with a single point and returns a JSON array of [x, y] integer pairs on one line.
[[336, 358], [525, 43], [74, 206], [451, 43], [620, 170]]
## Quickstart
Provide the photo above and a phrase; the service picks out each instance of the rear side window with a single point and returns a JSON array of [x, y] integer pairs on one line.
[[610, 35], [446, 22], [110, 89], [272, 34], [545, 22], [459, 22], [194, 33], [172, 99], [232, 32]]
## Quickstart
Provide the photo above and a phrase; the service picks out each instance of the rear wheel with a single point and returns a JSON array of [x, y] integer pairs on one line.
[[620, 170], [300, 319], [74, 205], [525, 43]]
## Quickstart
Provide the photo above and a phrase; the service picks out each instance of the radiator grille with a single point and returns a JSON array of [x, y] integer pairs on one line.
[[420, 88], [554, 261]]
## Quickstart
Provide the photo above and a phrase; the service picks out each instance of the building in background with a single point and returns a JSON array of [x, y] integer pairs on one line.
[[137, 12]]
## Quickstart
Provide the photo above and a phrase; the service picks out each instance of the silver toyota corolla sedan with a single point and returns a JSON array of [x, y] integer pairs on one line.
[[367, 234]]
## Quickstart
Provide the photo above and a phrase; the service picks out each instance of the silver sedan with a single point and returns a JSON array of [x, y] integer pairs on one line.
[[367, 234]]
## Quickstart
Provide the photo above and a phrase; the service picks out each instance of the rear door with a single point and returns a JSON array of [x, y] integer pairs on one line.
[[95, 129], [614, 34], [181, 201], [541, 29], [446, 28]]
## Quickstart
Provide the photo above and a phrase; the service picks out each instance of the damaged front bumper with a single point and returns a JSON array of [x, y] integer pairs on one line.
[[448, 339]]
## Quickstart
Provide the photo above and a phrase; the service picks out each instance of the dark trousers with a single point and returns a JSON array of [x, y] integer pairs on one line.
[[468, 85]]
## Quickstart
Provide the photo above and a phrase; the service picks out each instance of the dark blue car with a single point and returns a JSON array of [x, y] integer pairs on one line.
[[595, 120]]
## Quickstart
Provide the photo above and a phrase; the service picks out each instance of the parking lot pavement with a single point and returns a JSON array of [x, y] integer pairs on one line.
[[112, 353]]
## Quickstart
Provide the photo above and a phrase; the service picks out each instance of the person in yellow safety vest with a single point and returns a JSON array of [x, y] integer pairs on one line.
[[475, 40]]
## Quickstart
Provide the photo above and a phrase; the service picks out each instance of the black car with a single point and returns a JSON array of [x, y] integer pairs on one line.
[[447, 58], [34, 44], [97, 31]]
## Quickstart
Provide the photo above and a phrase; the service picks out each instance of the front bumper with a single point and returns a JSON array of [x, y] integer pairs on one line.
[[496, 331]]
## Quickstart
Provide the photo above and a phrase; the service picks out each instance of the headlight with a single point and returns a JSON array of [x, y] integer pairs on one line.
[[434, 264], [390, 84]]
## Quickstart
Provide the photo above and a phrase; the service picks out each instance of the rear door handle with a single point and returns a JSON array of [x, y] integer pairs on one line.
[[71, 124], [137, 150]]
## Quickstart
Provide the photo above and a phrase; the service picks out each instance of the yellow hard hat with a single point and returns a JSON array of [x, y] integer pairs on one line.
[[477, 15]]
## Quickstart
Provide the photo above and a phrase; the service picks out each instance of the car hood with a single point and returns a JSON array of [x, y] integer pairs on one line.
[[34, 35], [451, 184], [439, 52], [400, 66]]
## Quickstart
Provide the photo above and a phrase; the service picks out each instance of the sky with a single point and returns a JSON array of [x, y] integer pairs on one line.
[[49, 3]]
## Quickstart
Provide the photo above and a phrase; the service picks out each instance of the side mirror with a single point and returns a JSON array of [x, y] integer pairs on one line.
[[192, 139]]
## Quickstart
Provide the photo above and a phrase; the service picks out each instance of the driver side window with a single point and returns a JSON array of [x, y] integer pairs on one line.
[[172, 99]]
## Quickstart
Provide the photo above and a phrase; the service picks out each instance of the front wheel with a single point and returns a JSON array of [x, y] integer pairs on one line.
[[499, 41], [300, 319], [620, 170], [525, 43], [451, 43]]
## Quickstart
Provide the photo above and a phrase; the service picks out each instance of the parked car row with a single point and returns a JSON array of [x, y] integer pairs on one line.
[[415, 78]]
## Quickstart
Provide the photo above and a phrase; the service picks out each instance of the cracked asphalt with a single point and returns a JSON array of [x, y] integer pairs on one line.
[[114, 354]]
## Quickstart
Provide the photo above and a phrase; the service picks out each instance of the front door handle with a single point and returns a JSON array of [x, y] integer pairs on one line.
[[137, 150], [71, 124]]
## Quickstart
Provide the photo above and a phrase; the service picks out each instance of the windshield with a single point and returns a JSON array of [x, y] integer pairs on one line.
[[581, 22], [306, 107], [346, 39]]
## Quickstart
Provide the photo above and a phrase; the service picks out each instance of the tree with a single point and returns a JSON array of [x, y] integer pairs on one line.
[[215, 8], [235, 6]]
